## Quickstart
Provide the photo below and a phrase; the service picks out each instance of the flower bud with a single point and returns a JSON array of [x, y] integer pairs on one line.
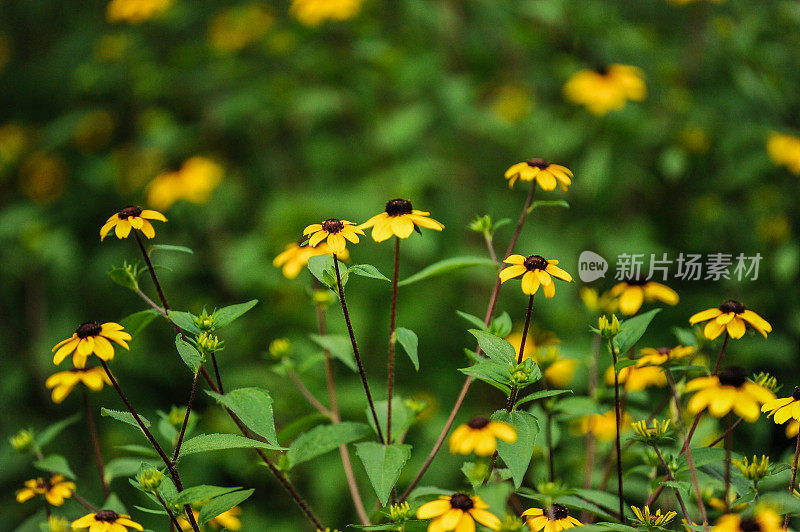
[[209, 343], [400, 512], [151, 478], [204, 321], [280, 348], [22, 441], [754, 470], [58, 524], [481, 224], [608, 328], [176, 415]]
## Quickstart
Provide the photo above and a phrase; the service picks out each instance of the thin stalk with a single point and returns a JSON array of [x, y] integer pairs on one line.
[[83, 502], [512, 398], [152, 271], [98, 455], [548, 434], [672, 478], [727, 431], [728, 462], [355, 348], [186, 417], [392, 342], [618, 415], [590, 439], [313, 401], [173, 519], [216, 373], [794, 477]]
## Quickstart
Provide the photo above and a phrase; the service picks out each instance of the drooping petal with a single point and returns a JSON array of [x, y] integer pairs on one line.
[[515, 259], [486, 443], [374, 220], [313, 228], [424, 221], [467, 524], [122, 229], [631, 300], [153, 215], [402, 227], [705, 315], [557, 272], [451, 518], [546, 180], [382, 230], [317, 237], [147, 229], [713, 329], [103, 348], [485, 518], [136, 222], [661, 292], [758, 323], [108, 226], [65, 350], [512, 271], [549, 290], [530, 284], [736, 327]]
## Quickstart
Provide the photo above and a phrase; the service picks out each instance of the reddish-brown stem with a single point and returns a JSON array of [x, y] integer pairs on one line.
[[512, 397], [794, 478], [98, 455], [186, 417], [171, 515], [216, 373], [672, 478], [392, 342]]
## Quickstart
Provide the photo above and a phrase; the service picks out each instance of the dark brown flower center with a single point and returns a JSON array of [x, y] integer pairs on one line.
[[90, 328], [397, 207], [538, 162], [664, 350], [749, 525], [732, 376], [478, 422], [128, 211], [535, 262], [42, 484], [332, 225], [108, 516], [559, 511], [601, 69], [461, 501], [732, 306], [796, 394], [637, 281]]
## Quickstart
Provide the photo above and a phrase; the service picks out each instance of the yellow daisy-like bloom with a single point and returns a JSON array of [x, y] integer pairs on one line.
[[135, 11], [91, 337], [295, 257], [228, 520], [63, 382], [458, 512], [733, 317], [545, 174], [106, 521], [652, 519], [785, 150], [399, 219], [599, 303], [785, 408], [663, 355], [606, 89], [58, 524], [335, 231], [604, 426], [480, 436], [535, 270], [728, 391], [131, 217], [764, 520], [315, 12], [636, 378], [55, 491], [552, 519], [194, 182], [634, 292]]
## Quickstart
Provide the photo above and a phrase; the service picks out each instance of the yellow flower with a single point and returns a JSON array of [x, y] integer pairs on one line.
[[63, 382], [458, 512], [91, 337], [480, 436], [637, 379], [785, 408], [512, 103], [552, 519], [43, 177], [55, 490], [633, 292], [792, 428], [606, 89], [295, 257], [662, 355], [604, 426], [545, 174], [535, 270], [135, 11], [599, 303], [764, 520], [649, 519], [335, 231], [228, 520], [239, 27], [315, 12], [58, 524], [106, 521], [399, 219], [131, 218], [733, 317], [728, 391], [557, 370], [785, 150], [194, 182]]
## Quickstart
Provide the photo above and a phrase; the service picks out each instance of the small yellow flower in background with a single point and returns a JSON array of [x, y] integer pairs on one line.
[[131, 217], [294, 257], [658, 357], [722, 506], [58, 524], [106, 521], [545, 174], [63, 382], [91, 337], [55, 491], [792, 428], [785, 408], [315, 12], [512, 103], [22, 441], [94, 130], [729, 391], [136, 11], [536, 339], [604, 426], [599, 303], [457, 512], [480, 436], [14, 139], [632, 293], [659, 428], [535, 270], [240, 26], [197, 178], [399, 219], [228, 520], [606, 89], [556, 369], [636, 378], [785, 150], [733, 317], [43, 176], [652, 519], [764, 520], [554, 518], [336, 232]]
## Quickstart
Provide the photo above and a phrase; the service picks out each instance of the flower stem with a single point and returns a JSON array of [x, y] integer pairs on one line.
[[171, 515], [728, 462], [392, 342], [152, 271], [672, 478], [216, 373], [305, 392], [512, 398], [355, 348], [794, 477], [186, 417], [98, 456], [590, 439], [617, 443], [548, 434]]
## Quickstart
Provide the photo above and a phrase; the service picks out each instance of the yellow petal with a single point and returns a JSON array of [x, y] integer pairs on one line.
[[661, 292], [511, 271], [122, 229], [736, 327], [557, 272], [705, 315], [713, 329], [313, 228], [382, 230], [485, 518], [337, 243], [147, 229], [530, 284], [153, 215], [103, 348], [503, 431], [631, 300], [317, 237]]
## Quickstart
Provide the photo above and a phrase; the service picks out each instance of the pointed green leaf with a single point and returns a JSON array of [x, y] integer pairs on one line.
[[168, 247], [323, 439], [220, 442], [222, 504], [254, 407], [125, 417], [199, 493], [383, 464], [367, 270], [55, 463], [446, 266], [632, 329], [226, 315], [408, 339], [517, 455], [189, 354], [184, 320], [495, 347], [339, 346], [137, 321]]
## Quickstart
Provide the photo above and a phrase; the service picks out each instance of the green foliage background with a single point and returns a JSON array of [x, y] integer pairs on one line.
[[311, 123]]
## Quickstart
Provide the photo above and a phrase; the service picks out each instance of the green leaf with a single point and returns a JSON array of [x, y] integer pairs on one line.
[[495, 347], [367, 270], [517, 455], [323, 439], [294, 428], [141, 450], [125, 417], [50, 433], [624, 363], [226, 315], [124, 467], [55, 463], [383, 464], [322, 268], [339, 346], [475, 320], [136, 322], [200, 493], [222, 504], [220, 442], [491, 372], [475, 472], [402, 417], [574, 407], [632, 329], [501, 325], [184, 320], [189, 354], [124, 278], [408, 339], [447, 266], [496, 496], [253, 406], [168, 247], [548, 203], [541, 395]]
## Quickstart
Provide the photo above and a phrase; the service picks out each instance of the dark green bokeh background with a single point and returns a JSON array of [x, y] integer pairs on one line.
[[311, 123]]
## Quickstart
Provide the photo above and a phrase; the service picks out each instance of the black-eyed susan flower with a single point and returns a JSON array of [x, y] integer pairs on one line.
[[399, 219], [763, 520], [335, 232], [294, 257], [315, 12], [535, 271], [728, 391], [553, 518], [733, 317], [636, 378], [226, 520], [91, 337], [480, 436], [458, 512], [606, 89], [784, 408], [131, 217], [663, 355], [106, 521], [632, 293], [647, 518], [55, 491], [785, 150], [604, 426], [546, 175], [194, 182], [63, 382]]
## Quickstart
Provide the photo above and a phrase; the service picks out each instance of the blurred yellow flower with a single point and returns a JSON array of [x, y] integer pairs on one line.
[[63, 382], [764, 520], [239, 27], [94, 130], [637, 379], [656, 357], [55, 490], [228, 520], [480, 436], [634, 292], [547, 175], [604, 426], [785, 150], [43, 177], [599, 303], [512, 103], [792, 428], [295, 257], [557, 370], [606, 89], [315, 12], [13, 141], [58, 524], [535, 271], [135, 11], [729, 390], [194, 182], [695, 139]]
